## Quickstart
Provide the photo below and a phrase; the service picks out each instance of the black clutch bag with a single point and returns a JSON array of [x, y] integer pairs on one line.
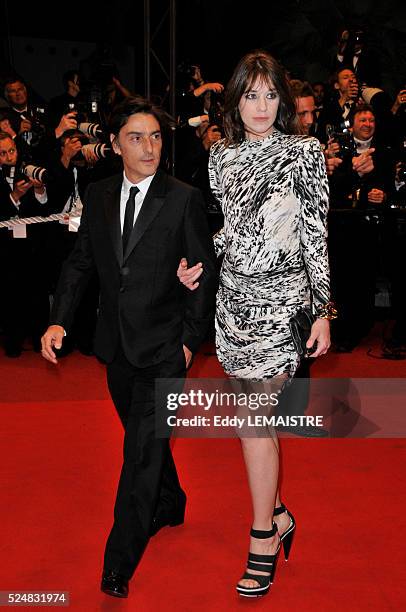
[[300, 326]]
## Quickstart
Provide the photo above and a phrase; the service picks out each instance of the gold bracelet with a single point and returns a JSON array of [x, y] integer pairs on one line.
[[327, 311]]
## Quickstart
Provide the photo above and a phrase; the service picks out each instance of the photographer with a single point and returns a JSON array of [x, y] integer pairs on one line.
[[362, 173], [59, 106], [339, 109], [27, 119], [354, 51], [194, 95], [76, 165], [31, 123], [361, 179], [25, 305]]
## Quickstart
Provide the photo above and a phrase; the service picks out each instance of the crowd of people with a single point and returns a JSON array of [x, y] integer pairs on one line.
[[49, 153]]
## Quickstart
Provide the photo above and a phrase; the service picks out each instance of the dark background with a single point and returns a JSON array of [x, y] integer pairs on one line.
[[211, 33]]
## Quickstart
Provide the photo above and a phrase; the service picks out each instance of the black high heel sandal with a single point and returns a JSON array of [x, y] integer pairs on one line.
[[260, 563], [286, 536]]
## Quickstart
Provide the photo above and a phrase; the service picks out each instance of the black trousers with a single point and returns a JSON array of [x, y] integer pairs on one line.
[[149, 483]]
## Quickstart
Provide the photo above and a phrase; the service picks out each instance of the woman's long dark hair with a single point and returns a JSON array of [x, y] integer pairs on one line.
[[258, 65]]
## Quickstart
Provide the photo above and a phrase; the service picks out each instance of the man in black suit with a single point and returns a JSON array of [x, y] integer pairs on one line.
[[134, 229]]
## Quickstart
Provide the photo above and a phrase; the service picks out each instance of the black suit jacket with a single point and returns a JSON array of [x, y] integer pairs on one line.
[[141, 301]]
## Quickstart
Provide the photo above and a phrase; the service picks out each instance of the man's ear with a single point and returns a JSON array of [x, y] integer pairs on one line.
[[115, 144], [336, 86]]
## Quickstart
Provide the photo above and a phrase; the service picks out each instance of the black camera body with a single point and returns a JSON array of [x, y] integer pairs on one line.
[[36, 116], [216, 111], [347, 145], [343, 137]]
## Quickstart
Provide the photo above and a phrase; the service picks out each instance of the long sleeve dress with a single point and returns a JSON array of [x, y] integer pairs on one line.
[[274, 196]]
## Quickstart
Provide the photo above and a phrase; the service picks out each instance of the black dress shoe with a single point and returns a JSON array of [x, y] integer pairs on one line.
[[114, 584], [307, 431]]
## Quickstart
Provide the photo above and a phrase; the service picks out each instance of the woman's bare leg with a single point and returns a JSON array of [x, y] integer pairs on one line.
[[261, 456]]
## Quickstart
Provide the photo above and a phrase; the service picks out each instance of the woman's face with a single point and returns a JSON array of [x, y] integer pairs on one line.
[[258, 109]]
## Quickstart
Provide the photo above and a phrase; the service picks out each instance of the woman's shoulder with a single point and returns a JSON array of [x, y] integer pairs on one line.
[[218, 148], [222, 151], [301, 141]]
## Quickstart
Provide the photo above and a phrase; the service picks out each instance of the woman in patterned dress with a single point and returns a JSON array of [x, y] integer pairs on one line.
[[272, 186]]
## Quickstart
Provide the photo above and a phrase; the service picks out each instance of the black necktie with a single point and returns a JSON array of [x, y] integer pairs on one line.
[[129, 217]]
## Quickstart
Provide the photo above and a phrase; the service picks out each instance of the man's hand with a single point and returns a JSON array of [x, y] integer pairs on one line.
[[332, 163], [67, 122], [320, 333], [71, 147], [38, 186], [400, 99], [376, 196], [216, 87], [189, 276], [332, 148], [363, 164], [52, 339], [210, 136], [25, 126], [21, 188], [90, 156], [188, 356]]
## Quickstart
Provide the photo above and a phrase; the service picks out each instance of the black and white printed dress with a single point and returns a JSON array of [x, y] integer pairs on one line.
[[274, 196]]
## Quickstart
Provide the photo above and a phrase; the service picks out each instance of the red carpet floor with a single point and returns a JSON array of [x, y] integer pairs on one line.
[[60, 458]]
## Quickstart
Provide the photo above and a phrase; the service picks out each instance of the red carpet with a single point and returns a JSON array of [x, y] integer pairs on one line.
[[60, 459]]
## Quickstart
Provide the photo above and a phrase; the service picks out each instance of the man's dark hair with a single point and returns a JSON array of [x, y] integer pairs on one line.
[[301, 89], [5, 136], [13, 79], [335, 75], [5, 113], [361, 108], [132, 106]]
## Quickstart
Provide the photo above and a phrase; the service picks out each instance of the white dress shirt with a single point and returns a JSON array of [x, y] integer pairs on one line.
[[143, 187]]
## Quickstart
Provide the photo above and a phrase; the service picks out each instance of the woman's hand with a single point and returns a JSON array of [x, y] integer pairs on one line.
[[189, 276], [320, 333]]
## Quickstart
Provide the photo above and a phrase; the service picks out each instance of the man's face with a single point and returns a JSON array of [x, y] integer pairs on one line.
[[345, 79], [8, 152], [364, 125], [305, 109], [16, 94], [139, 143], [318, 93]]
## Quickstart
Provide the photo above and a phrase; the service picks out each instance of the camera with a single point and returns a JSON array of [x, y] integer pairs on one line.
[[99, 150], [401, 173], [36, 116], [343, 137], [216, 110], [91, 129], [358, 37], [346, 143], [35, 172]]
